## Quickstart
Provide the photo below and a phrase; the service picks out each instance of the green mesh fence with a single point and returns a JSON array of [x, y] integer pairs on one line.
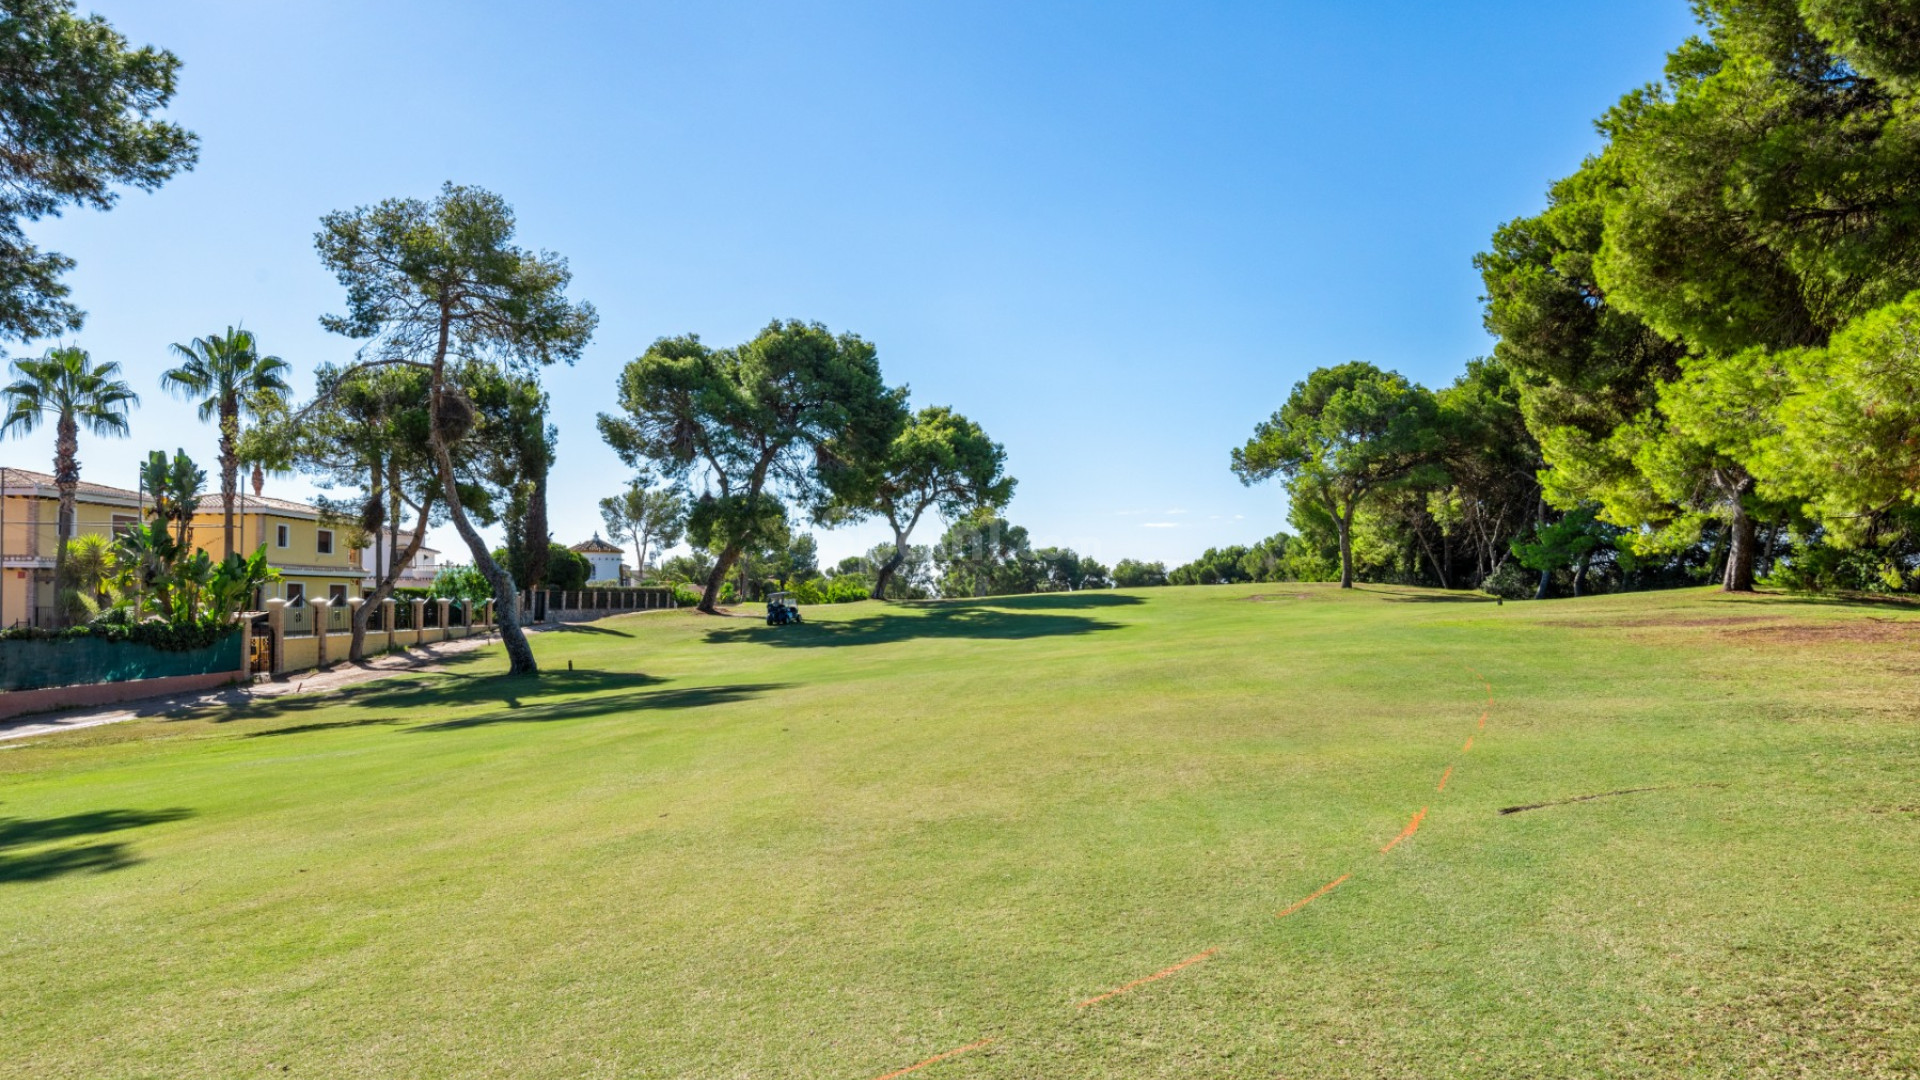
[[35, 665]]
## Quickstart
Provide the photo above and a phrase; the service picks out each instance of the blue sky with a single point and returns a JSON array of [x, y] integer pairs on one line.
[[1114, 233]]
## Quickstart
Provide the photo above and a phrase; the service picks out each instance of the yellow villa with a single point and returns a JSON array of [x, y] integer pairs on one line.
[[313, 559]]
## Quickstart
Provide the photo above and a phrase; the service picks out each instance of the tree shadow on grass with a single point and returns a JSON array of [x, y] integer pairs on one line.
[[1056, 601], [337, 725], [585, 628], [427, 692], [86, 858], [554, 695], [979, 620], [692, 697]]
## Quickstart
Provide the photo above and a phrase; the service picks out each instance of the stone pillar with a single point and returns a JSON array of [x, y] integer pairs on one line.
[[321, 609], [486, 614], [386, 620], [446, 624], [419, 621], [277, 627]]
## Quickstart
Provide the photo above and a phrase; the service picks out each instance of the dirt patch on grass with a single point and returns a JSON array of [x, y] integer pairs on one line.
[[1655, 622], [1769, 629], [1868, 631]]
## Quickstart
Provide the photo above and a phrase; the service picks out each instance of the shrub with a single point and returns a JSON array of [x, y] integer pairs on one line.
[[810, 592], [165, 636], [1511, 582], [1824, 568], [686, 595], [461, 583], [847, 591]]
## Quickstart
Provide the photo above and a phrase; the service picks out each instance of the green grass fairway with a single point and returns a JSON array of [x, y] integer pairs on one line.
[[715, 849]]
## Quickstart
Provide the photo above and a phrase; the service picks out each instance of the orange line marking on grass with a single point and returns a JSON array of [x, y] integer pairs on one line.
[[1317, 894], [1469, 745], [1444, 777], [935, 1059], [1155, 977], [1412, 827], [1483, 719]]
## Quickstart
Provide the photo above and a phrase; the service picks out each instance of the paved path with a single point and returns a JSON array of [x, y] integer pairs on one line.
[[422, 658]]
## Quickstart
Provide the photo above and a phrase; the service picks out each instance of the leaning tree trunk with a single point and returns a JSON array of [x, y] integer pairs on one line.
[[884, 576], [710, 599], [506, 599], [384, 585]]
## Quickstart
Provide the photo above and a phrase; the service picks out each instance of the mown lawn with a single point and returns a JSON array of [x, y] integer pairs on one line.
[[715, 849]]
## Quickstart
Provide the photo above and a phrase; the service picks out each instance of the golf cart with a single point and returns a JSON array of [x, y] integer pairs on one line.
[[781, 609]]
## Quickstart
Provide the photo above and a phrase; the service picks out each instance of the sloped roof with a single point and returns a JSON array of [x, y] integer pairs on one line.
[[209, 501], [40, 479], [595, 546]]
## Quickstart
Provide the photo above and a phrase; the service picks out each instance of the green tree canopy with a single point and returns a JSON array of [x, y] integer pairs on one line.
[[798, 411], [651, 518], [940, 461], [434, 284], [77, 118], [365, 431], [1345, 435], [983, 555], [1134, 574]]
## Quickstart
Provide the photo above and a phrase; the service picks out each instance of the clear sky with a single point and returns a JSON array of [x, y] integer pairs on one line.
[[1114, 233]]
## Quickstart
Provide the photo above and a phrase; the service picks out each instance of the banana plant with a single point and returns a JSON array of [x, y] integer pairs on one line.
[[190, 580], [231, 586]]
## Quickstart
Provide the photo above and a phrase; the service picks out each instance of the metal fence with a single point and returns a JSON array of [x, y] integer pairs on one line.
[[537, 604], [298, 620]]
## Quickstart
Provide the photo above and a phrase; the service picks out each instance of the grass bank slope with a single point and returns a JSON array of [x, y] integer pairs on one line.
[[718, 849]]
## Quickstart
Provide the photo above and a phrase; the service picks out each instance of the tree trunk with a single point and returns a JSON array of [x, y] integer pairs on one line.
[[1546, 579], [1740, 530], [506, 599], [1345, 523], [229, 469], [721, 568], [887, 569], [1580, 573], [1439, 571], [536, 538], [66, 475]]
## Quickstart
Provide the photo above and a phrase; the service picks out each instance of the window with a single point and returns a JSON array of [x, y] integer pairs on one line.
[[337, 594], [279, 536], [326, 541], [296, 592], [122, 523]]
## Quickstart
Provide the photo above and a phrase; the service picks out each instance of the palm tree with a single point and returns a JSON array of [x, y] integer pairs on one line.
[[231, 380], [66, 385]]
